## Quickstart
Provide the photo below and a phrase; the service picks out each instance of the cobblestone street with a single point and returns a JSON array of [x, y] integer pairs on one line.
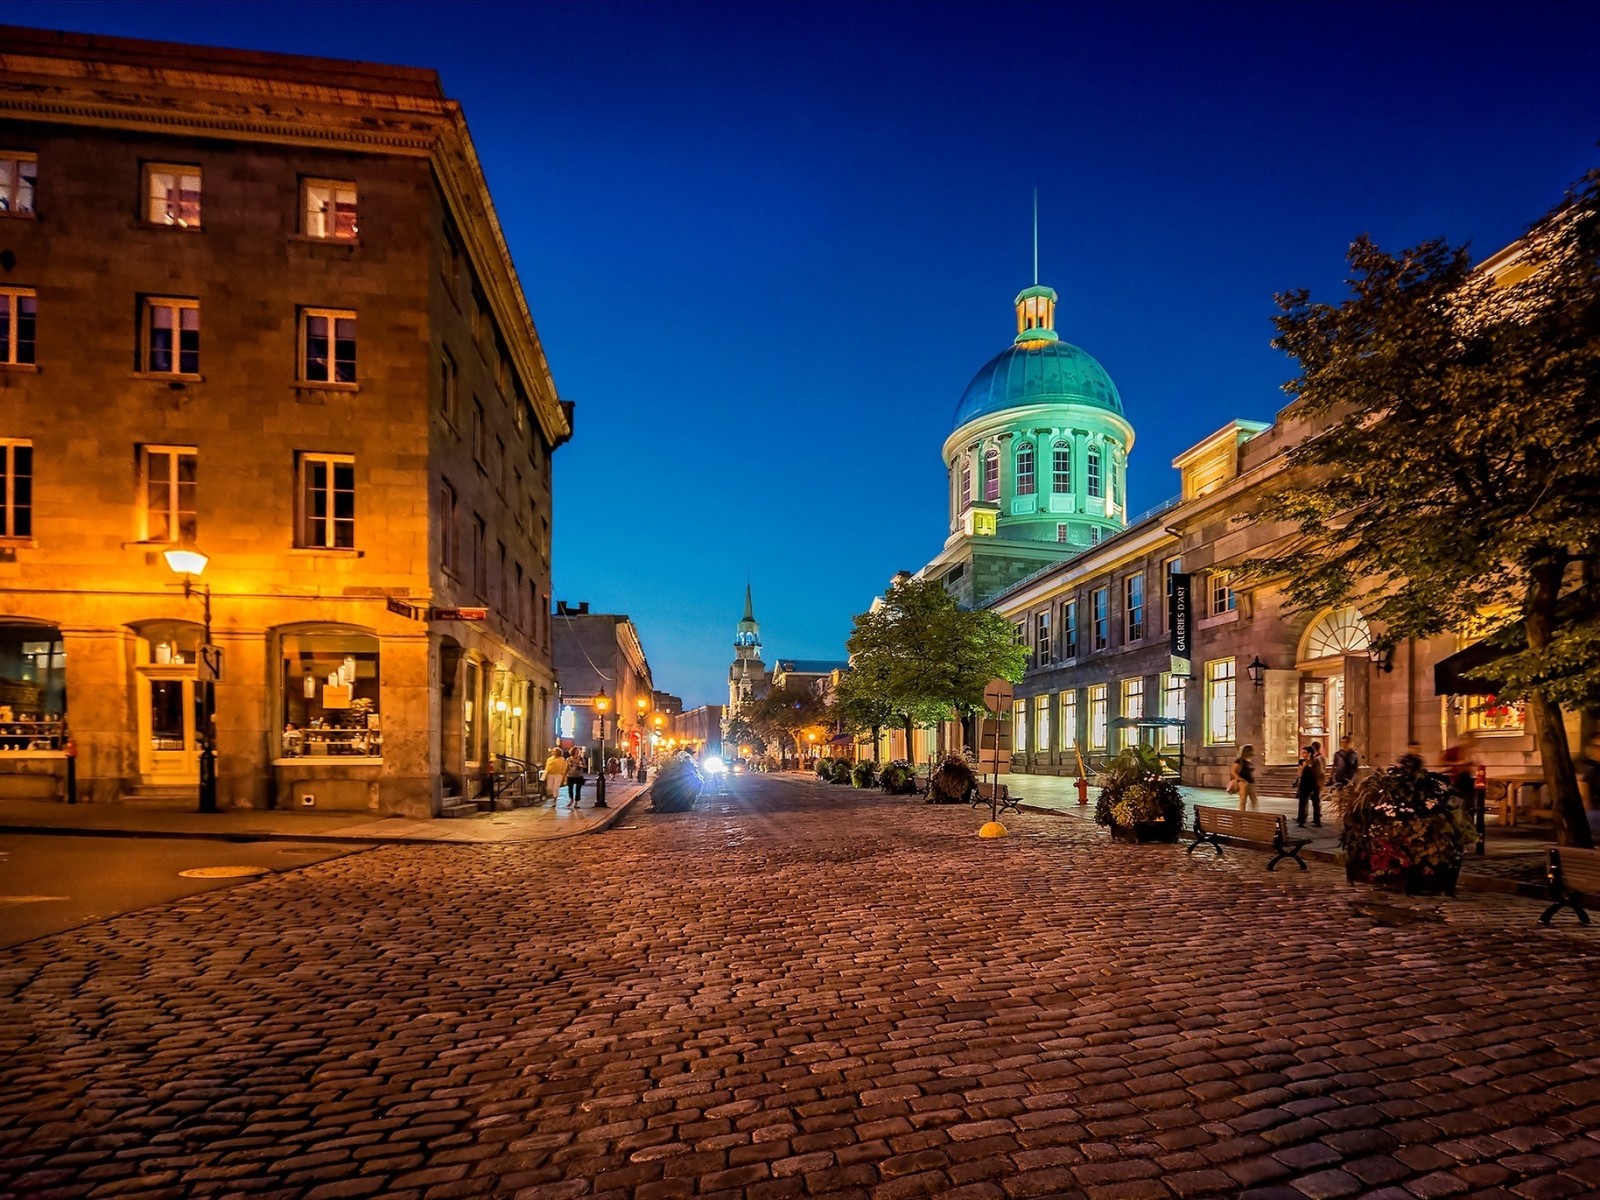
[[805, 991]]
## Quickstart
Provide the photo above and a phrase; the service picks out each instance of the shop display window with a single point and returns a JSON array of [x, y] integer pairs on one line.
[[33, 687], [330, 695]]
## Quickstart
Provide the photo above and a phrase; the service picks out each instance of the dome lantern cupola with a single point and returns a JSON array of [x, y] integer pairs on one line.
[[1036, 317]]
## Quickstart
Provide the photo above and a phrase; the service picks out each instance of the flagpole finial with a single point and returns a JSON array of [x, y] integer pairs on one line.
[[1035, 237]]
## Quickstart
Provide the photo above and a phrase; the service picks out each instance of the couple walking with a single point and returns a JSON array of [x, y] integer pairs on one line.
[[1310, 779], [559, 768]]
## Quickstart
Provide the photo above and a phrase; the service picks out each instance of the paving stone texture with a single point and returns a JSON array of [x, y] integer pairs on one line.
[[805, 991]]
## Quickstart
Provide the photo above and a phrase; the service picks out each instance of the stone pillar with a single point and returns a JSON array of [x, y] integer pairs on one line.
[[248, 719], [100, 710], [409, 785]]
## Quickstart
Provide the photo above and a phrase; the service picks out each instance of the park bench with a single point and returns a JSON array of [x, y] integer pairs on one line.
[[983, 794], [1574, 878], [1212, 824]]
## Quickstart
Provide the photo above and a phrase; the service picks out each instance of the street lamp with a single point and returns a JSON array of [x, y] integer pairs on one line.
[[1257, 670], [602, 705], [1382, 657], [644, 708], [189, 562]]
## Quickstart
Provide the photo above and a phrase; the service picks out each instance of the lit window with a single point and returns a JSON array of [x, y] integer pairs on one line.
[[1174, 707], [1041, 637], [171, 338], [1092, 471], [331, 694], [1132, 709], [1061, 469], [991, 475], [966, 483], [172, 196], [1097, 716], [1019, 727], [1025, 471], [327, 501], [1490, 714], [328, 209], [1041, 724], [167, 477], [1069, 719], [1222, 598], [1100, 616], [1061, 532], [18, 173], [1220, 702], [1069, 629], [16, 489], [1135, 610], [19, 312], [327, 346]]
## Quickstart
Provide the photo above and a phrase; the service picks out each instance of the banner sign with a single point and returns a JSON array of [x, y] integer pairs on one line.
[[1180, 618]]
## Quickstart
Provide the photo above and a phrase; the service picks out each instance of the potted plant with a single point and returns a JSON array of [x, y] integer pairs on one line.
[[824, 769], [839, 772], [953, 782], [864, 775], [1402, 827], [1136, 802], [897, 778], [676, 786]]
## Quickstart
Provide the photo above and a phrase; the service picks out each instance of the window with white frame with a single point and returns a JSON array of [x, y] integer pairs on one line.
[[1133, 593], [1041, 636], [167, 493], [16, 488], [1025, 471], [1097, 716], [1116, 484], [1062, 532], [19, 173], [1174, 707], [19, 317], [328, 209], [327, 501], [966, 482], [991, 475], [1132, 709], [1069, 629], [1223, 599], [331, 695], [1092, 471], [1100, 618], [1061, 469], [172, 195], [1041, 724], [327, 345], [448, 551], [1069, 719], [170, 336], [1019, 727], [1020, 633], [1220, 683], [1095, 534]]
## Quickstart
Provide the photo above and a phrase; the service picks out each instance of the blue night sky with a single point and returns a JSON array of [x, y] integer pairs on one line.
[[767, 246]]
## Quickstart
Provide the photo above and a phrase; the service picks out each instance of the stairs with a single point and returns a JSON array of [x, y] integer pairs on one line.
[[1275, 781], [165, 793]]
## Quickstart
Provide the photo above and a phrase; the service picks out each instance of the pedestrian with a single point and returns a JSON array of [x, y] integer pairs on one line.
[[1411, 761], [1308, 785], [555, 772], [576, 765], [1345, 763], [1242, 778]]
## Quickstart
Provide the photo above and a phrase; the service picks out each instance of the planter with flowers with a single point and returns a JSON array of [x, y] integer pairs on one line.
[[1403, 828], [1136, 802]]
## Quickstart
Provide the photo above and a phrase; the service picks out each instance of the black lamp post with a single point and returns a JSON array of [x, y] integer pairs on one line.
[[644, 734], [1257, 670], [189, 562], [602, 705]]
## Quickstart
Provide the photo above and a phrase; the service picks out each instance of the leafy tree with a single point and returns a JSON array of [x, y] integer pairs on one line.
[[785, 714], [860, 707], [924, 658], [1455, 480], [738, 731]]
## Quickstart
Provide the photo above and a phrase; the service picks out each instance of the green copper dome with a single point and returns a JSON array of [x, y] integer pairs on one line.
[[1051, 372]]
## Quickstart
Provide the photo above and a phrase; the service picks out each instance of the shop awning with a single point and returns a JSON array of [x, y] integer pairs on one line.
[[1449, 674]]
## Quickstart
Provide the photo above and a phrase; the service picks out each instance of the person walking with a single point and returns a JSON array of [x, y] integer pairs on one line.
[[1242, 778], [576, 765], [1308, 785], [1346, 762], [555, 772]]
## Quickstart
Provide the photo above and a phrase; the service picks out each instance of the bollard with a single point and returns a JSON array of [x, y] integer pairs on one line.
[[1083, 791], [71, 749]]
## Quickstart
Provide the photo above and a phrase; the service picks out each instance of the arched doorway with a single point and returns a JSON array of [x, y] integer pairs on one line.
[[1328, 641]]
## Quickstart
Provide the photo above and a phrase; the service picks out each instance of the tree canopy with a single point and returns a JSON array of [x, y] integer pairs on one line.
[[1453, 483], [920, 658], [786, 714]]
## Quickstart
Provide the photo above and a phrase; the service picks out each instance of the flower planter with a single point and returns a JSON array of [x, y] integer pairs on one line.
[[1145, 831], [1413, 881]]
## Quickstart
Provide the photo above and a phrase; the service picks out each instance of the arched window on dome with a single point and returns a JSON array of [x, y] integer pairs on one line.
[[1025, 470], [1061, 469], [1092, 471], [1116, 484], [966, 483], [991, 474]]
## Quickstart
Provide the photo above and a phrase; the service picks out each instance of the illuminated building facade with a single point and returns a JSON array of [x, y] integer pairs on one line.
[[261, 305]]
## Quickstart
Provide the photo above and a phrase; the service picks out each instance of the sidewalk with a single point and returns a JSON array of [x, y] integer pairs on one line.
[[543, 822], [1513, 859]]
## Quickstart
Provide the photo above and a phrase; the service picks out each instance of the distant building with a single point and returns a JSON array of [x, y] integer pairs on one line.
[[804, 674], [700, 730], [260, 305], [595, 653], [748, 678]]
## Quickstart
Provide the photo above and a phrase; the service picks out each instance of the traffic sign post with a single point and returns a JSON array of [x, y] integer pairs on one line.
[[994, 747]]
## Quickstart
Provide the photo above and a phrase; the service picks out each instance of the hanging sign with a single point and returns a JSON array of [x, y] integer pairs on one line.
[[461, 614], [1180, 623]]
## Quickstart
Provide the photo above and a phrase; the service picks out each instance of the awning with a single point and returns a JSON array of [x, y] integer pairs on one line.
[[1449, 674]]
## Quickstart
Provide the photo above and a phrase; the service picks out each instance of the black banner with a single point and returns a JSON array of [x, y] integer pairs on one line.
[[1180, 615]]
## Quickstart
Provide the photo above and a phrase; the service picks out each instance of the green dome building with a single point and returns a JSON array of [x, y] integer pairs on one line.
[[1037, 459]]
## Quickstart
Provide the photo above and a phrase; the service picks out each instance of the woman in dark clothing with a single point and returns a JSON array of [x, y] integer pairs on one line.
[[1308, 785]]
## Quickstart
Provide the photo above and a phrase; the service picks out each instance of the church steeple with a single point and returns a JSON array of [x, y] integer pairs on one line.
[[747, 639]]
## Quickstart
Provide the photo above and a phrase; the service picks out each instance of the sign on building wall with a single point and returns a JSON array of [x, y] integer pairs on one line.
[[1180, 617]]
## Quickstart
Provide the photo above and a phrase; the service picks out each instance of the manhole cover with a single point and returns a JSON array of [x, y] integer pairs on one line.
[[223, 872]]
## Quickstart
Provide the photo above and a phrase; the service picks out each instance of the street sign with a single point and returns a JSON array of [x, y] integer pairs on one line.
[[461, 614], [210, 664], [578, 701], [997, 696], [404, 608], [994, 746]]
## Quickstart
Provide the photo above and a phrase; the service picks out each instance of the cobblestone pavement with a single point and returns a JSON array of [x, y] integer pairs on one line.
[[805, 991]]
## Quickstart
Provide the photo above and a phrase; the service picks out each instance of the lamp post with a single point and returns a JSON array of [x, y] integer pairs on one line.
[[602, 705], [644, 708], [189, 563], [1257, 670]]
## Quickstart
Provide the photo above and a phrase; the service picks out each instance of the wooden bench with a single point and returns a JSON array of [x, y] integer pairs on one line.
[[983, 795], [1212, 824], [1574, 877]]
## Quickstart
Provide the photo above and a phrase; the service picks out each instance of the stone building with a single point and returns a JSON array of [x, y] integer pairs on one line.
[[601, 653], [261, 306], [748, 677]]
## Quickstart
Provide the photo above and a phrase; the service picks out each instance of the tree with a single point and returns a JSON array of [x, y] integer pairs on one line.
[[1455, 482], [785, 714], [738, 731], [924, 658], [860, 707]]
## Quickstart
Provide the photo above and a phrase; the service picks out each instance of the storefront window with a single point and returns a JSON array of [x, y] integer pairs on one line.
[[33, 687], [1132, 709], [1490, 714], [1097, 717], [1069, 719], [330, 695], [1019, 727], [1041, 716], [470, 716], [1220, 702], [1174, 708]]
